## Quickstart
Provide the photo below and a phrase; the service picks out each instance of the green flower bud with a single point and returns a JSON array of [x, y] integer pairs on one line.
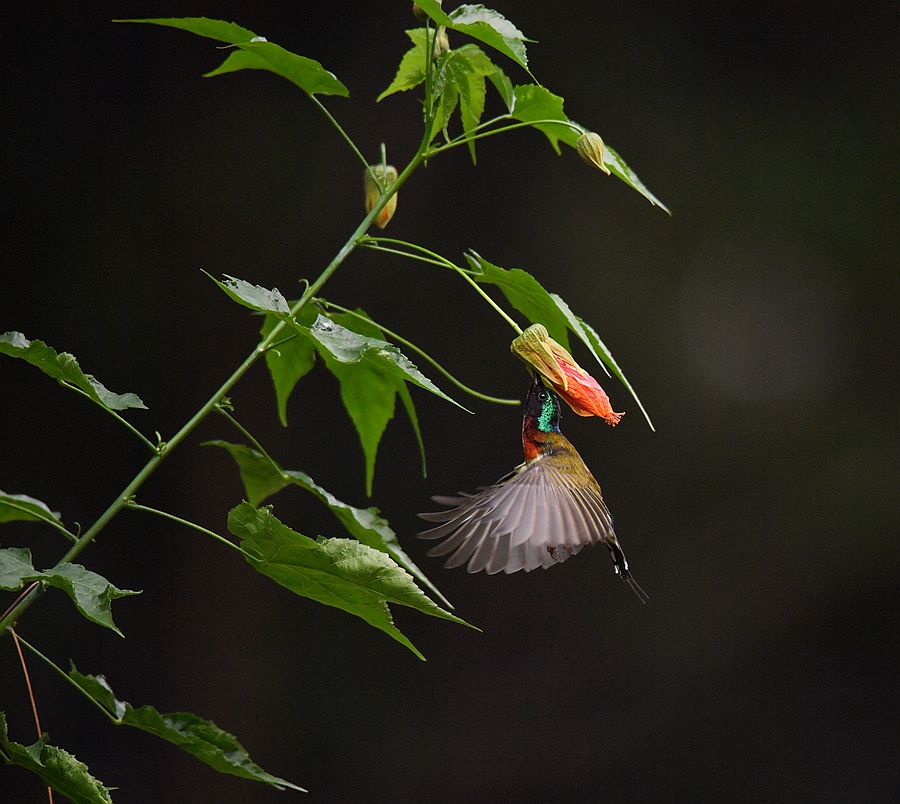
[[590, 146]]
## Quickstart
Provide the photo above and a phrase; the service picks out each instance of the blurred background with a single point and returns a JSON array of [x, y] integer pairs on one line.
[[758, 324]]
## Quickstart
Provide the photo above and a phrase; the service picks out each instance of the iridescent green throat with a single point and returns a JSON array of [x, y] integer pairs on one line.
[[545, 420]]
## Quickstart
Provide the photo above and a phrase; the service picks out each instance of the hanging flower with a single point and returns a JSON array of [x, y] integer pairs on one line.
[[558, 368], [384, 175], [590, 146]]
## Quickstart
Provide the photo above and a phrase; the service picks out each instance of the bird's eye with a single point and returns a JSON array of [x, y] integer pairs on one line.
[[542, 395]]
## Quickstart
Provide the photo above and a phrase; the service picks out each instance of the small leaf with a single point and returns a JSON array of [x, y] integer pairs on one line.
[[349, 347], [253, 296], [530, 298], [65, 370], [532, 102], [289, 360], [504, 87], [258, 54], [336, 572], [23, 507], [262, 479], [308, 74], [15, 566], [411, 71], [58, 768], [484, 24], [200, 738], [91, 592], [493, 29]]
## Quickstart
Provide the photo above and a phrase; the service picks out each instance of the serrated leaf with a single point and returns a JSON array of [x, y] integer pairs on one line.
[[484, 24], [530, 298], [469, 67], [261, 479], [369, 370], [258, 54], [411, 71], [290, 360], [201, 738], [255, 297], [15, 566], [343, 573], [65, 370], [91, 592], [58, 768], [23, 507], [617, 165]]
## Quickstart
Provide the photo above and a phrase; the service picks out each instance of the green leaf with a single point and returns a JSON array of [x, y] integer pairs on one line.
[[370, 371], [289, 360], [58, 768], [336, 572], [504, 87], [65, 370], [23, 507], [617, 165], [258, 54], [200, 738], [253, 296], [15, 566], [91, 592], [468, 69], [484, 24], [222, 31], [532, 102], [262, 478], [411, 71], [530, 298]]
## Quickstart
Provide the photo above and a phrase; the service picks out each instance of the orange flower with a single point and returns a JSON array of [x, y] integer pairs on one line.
[[558, 368], [384, 175]]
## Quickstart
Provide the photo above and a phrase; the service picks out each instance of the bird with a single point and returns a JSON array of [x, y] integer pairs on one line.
[[541, 513]]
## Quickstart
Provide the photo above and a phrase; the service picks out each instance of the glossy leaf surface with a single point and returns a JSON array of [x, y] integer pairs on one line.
[[91, 592], [343, 573], [262, 478]]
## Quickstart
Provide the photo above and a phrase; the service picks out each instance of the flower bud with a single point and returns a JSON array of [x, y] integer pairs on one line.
[[590, 147], [384, 176], [559, 370]]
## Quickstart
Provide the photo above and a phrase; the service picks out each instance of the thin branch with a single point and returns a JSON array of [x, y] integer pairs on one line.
[[421, 353]]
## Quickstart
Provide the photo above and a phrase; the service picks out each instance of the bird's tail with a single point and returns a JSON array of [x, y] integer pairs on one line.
[[621, 566]]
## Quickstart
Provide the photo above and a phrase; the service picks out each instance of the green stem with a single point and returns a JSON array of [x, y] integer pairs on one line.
[[462, 139], [249, 436], [136, 507], [128, 424], [69, 678], [61, 528], [411, 346], [340, 130], [437, 259]]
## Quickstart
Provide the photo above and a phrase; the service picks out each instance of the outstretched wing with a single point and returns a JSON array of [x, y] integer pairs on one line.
[[535, 517]]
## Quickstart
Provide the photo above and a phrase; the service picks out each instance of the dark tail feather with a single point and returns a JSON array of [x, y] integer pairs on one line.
[[621, 566]]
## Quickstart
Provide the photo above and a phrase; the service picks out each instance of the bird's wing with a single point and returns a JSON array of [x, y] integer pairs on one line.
[[535, 517]]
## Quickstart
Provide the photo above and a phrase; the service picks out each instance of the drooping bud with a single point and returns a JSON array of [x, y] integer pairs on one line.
[[590, 147], [558, 369], [384, 176], [441, 42]]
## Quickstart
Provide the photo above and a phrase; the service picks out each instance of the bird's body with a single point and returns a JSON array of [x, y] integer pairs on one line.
[[541, 513]]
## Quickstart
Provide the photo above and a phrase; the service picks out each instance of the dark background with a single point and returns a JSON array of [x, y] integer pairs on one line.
[[759, 325]]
